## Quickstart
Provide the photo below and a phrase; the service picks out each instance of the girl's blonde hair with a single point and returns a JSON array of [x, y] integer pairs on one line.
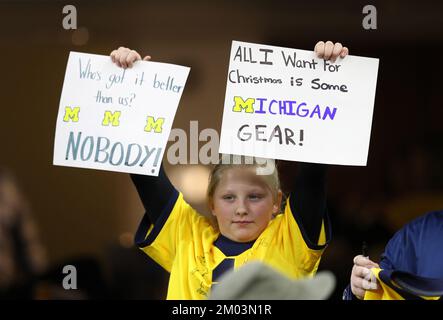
[[271, 180]]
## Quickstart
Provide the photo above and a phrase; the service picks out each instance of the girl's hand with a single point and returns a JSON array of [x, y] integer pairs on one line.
[[125, 57], [330, 51]]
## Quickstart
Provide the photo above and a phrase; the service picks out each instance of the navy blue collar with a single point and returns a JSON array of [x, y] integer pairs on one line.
[[230, 247]]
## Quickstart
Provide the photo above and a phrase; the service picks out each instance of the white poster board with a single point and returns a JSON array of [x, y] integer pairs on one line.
[[284, 103], [115, 119]]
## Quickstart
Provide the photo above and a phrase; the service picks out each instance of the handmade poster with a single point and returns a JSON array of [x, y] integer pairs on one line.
[[116, 119], [284, 103]]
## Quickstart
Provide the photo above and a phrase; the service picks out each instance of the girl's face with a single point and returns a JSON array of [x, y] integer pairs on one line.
[[243, 204]]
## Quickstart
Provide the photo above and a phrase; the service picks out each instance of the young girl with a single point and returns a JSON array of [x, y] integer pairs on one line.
[[246, 206]]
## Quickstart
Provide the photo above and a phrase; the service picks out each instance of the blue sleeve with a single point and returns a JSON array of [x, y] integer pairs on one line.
[[308, 199], [393, 256], [154, 192], [348, 295], [416, 248], [400, 252]]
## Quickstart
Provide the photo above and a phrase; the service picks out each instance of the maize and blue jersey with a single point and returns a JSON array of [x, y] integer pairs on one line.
[[187, 245]]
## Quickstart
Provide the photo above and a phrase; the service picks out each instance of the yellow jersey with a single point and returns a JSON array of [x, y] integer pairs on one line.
[[191, 249]]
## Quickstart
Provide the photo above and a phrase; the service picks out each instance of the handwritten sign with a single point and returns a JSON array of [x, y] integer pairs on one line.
[[115, 119], [287, 104]]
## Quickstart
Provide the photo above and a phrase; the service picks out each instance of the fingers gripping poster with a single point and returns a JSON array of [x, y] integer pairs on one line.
[[287, 104], [116, 119]]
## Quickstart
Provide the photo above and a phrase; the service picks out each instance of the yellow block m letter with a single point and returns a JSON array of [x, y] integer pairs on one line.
[[71, 113], [156, 124], [240, 104], [113, 117]]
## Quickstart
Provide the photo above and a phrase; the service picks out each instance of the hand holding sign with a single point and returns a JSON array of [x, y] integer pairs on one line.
[[125, 57], [117, 119], [330, 51], [288, 104]]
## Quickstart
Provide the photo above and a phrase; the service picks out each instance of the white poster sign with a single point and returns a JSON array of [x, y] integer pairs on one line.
[[115, 119], [284, 103]]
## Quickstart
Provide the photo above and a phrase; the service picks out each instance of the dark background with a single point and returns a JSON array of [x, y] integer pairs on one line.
[[89, 216]]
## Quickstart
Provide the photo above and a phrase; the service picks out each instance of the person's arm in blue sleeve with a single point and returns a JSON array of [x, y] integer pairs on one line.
[[308, 200], [154, 192]]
